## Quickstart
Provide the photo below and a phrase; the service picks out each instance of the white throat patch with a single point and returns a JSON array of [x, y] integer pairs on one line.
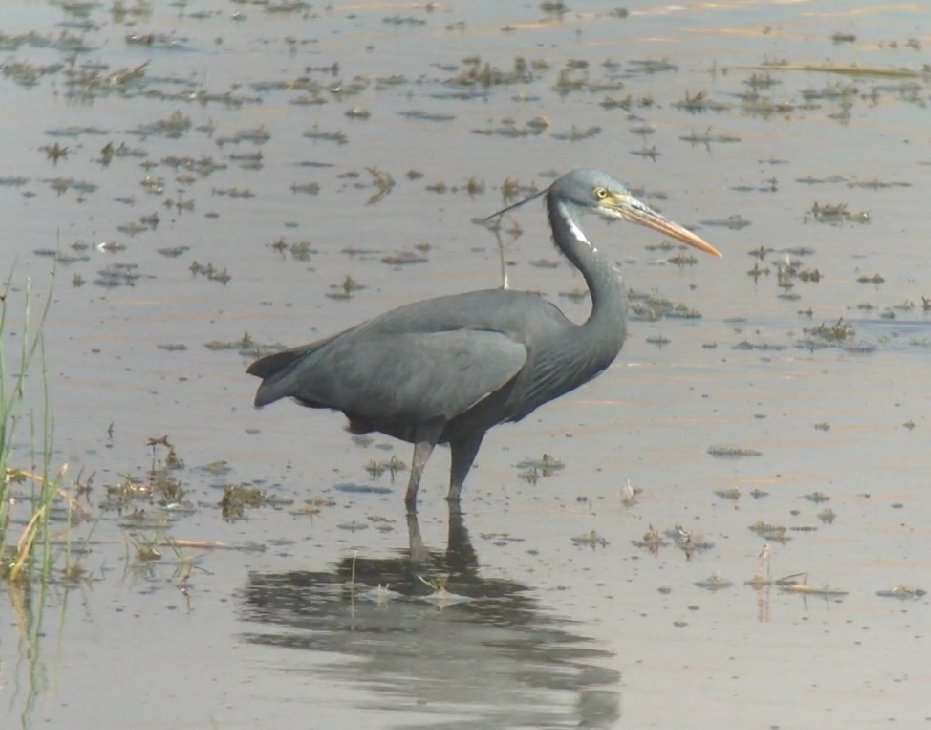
[[574, 229]]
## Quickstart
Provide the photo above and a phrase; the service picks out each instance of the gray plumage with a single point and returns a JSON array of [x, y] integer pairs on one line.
[[446, 370]]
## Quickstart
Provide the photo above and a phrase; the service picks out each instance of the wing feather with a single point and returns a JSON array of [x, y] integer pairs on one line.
[[411, 377]]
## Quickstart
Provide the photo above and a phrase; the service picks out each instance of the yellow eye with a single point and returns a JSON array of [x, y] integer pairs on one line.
[[601, 193]]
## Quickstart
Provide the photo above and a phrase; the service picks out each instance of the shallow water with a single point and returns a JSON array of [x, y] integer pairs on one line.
[[554, 633]]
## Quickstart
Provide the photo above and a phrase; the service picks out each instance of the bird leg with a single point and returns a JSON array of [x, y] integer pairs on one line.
[[425, 439], [463, 454]]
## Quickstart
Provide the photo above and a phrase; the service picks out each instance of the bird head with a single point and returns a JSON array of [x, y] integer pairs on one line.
[[597, 192]]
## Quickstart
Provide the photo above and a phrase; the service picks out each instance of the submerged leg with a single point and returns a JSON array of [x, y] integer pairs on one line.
[[463, 455], [426, 437]]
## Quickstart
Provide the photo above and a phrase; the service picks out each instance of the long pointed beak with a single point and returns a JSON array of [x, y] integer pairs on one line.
[[633, 210]]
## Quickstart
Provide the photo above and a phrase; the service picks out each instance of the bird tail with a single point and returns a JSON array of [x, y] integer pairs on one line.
[[273, 370]]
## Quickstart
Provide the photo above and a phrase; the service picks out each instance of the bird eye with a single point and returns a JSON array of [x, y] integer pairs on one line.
[[601, 193]]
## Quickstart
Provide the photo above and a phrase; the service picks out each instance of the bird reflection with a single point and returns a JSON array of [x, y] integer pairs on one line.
[[495, 659]]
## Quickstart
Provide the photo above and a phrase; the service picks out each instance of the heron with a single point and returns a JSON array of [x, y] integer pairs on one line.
[[446, 370]]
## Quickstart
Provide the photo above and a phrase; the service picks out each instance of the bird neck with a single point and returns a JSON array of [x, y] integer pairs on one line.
[[609, 297]]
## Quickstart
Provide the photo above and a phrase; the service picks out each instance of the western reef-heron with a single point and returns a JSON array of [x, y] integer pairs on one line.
[[446, 370]]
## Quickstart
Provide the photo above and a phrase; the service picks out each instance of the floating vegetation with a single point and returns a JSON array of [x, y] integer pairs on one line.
[[902, 592], [305, 188], [256, 135], [236, 497], [827, 516], [209, 272], [706, 138], [646, 307], [630, 494], [838, 332], [547, 465], [393, 466], [851, 70], [802, 587], [118, 274], [734, 222], [837, 213], [427, 116], [299, 250], [651, 541], [316, 134], [576, 135], [404, 258], [689, 542], [234, 192], [346, 290], [700, 103], [384, 183], [714, 582], [732, 452], [245, 345], [589, 538], [173, 126]]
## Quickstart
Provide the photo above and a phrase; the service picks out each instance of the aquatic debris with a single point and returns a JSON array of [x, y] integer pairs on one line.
[[384, 183], [827, 516], [380, 595], [805, 589], [700, 103], [733, 493], [902, 592], [165, 41], [629, 494], [762, 528], [427, 116], [727, 451], [236, 497], [299, 250], [576, 295], [547, 465], [393, 466], [118, 274], [840, 331], [209, 272], [851, 70], [316, 134], [714, 582], [734, 222], [306, 188], [836, 213], [173, 252], [345, 290], [651, 540], [441, 596], [245, 345], [404, 258], [589, 538], [706, 138], [576, 135]]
